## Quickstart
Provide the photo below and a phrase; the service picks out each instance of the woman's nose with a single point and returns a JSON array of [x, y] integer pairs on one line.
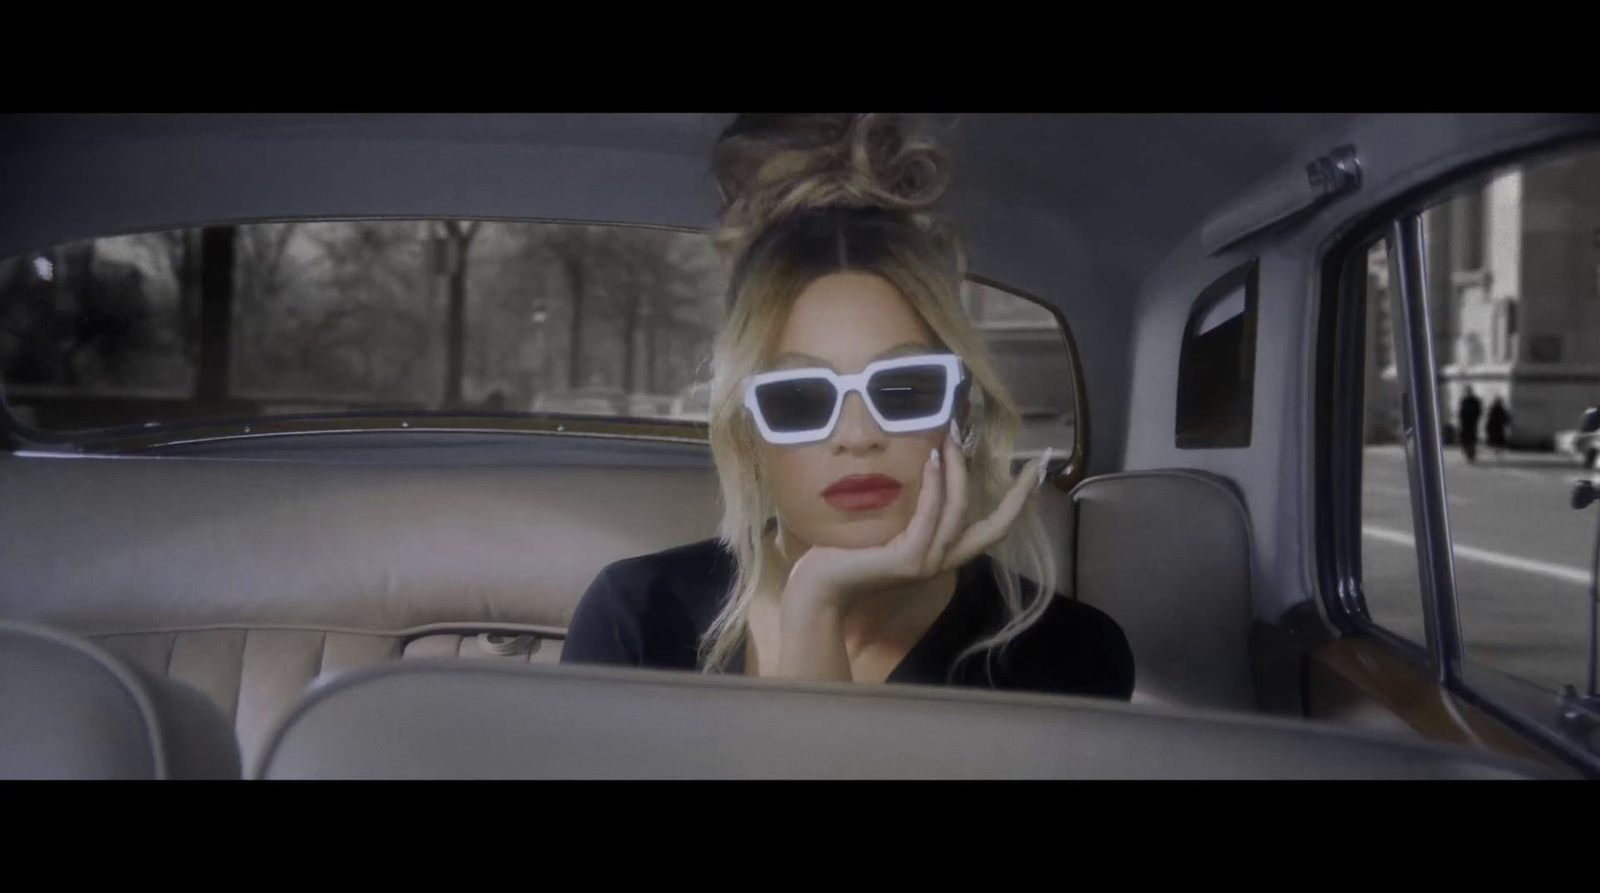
[[857, 430]]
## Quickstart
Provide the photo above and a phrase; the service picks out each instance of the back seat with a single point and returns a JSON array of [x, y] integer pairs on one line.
[[252, 580], [255, 674]]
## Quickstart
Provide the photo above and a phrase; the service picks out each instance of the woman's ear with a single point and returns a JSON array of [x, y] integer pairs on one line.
[[966, 417]]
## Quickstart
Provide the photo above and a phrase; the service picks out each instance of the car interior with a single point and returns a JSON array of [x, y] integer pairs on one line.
[[390, 600]]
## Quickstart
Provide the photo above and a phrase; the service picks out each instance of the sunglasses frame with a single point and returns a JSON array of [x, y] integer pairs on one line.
[[955, 373]]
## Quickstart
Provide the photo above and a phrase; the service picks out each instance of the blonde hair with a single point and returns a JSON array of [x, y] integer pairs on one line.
[[802, 197]]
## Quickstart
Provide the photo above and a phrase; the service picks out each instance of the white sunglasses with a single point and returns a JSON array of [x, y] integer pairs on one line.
[[903, 394]]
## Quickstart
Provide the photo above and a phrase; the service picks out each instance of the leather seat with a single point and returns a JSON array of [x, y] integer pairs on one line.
[[251, 581], [70, 710], [477, 720], [1167, 553]]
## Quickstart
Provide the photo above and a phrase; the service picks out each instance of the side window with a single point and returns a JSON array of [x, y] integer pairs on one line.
[[1029, 343], [1517, 343], [1390, 581], [1514, 313], [1217, 363]]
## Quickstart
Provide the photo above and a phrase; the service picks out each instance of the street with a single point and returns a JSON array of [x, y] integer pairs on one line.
[[1522, 559]]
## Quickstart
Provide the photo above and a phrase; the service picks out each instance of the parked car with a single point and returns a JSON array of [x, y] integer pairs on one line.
[[1583, 447]]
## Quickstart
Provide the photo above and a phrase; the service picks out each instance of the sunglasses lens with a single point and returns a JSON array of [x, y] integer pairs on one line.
[[802, 404], [910, 392]]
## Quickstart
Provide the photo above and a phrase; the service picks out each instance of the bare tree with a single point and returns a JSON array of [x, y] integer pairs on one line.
[[265, 276], [71, 318], [652, 289], [217, 246], [460, 235], [579, 255]]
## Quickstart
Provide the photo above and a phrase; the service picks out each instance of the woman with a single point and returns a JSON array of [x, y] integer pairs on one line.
[[863, 440], [1494, 427]]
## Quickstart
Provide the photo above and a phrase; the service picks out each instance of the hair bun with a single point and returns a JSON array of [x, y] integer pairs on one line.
[[770, 166]]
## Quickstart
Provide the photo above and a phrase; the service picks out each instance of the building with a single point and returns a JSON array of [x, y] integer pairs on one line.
[[1514, 283]]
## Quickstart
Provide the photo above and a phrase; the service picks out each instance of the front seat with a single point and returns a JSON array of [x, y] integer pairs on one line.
[[70, 710], [1166, 553]]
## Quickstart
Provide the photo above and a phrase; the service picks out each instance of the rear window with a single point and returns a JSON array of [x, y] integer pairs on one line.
[[346, 316], [266, 320]]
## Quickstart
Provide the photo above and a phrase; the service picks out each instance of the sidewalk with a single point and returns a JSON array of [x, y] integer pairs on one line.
[[1528, 459]]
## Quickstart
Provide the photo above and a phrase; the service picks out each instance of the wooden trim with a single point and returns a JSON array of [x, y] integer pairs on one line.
[[1358, 681]]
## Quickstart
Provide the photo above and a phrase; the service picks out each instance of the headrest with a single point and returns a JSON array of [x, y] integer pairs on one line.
[[1167, 554], [69, 710]]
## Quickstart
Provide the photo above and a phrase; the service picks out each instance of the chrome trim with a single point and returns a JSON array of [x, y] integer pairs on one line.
[[1424, 450]]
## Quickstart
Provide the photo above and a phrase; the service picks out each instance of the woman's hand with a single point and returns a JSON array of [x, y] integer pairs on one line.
[[938, 537], [826, 581]]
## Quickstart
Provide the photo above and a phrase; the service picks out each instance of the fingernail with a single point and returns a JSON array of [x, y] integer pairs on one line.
[[955, 433], [1044, 466], [935, 454]]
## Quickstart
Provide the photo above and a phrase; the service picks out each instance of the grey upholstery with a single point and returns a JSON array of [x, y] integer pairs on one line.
[[436, 720], [256, 674], [69, 710], [1167, 554], [140, 544], [251, 580]]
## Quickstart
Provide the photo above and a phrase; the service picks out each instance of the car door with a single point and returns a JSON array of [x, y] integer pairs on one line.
[[1402, 583], [1448, 556]]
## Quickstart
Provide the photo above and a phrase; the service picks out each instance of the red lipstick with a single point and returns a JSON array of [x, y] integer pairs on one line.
[[862, 492]]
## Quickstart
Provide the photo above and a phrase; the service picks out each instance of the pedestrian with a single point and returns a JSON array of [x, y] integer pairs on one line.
[[1470, 409], [1494, 427]]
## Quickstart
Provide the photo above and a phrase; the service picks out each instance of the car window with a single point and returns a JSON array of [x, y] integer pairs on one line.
[[1390, 579], [1217, 363], [1512, 266], [1029, 343], [1511, 260], [338, 316], [259, 320]]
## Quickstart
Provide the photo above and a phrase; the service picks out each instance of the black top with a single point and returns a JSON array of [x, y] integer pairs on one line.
[[651, 612]]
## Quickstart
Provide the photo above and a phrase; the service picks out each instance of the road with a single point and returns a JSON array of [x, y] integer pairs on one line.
[[1522, 559]]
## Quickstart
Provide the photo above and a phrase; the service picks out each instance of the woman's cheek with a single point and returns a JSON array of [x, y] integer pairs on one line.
[[791, 490]]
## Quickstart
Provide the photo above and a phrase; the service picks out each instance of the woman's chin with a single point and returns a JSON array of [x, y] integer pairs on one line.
[[863, 533]]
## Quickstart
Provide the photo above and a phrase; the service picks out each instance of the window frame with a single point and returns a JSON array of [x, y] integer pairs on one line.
[[1341, 405], [1551, 722]]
